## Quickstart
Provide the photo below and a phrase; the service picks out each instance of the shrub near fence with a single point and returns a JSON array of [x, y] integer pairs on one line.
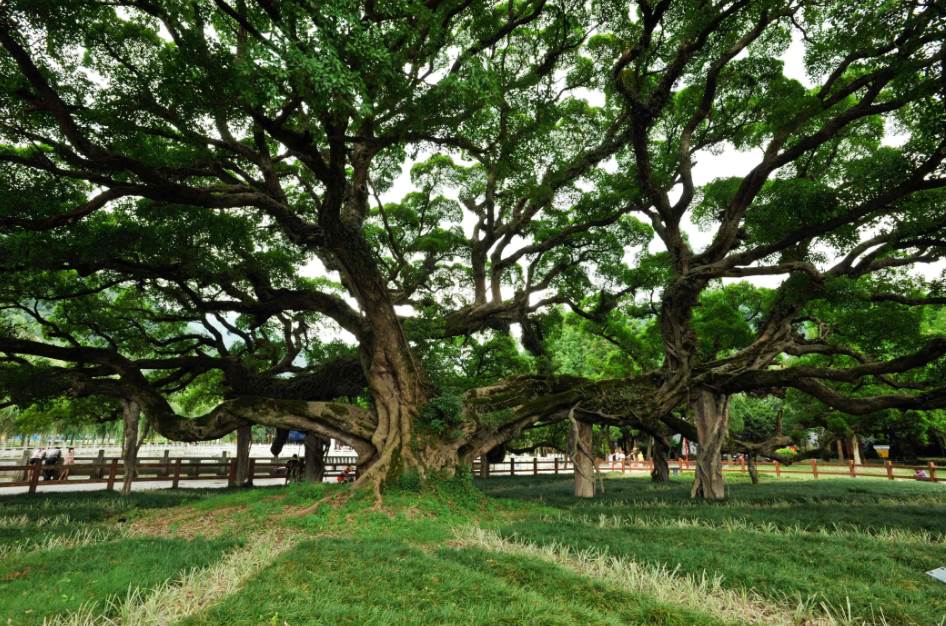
[[109, 471]]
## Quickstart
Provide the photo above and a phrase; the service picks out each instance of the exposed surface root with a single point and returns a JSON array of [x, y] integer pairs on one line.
[[188, 523], [334, 499]]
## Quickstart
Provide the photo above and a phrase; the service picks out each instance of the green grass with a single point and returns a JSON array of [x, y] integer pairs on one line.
[[868, 543], [64, 551], [39, 517], [851, 551], [56, 581]]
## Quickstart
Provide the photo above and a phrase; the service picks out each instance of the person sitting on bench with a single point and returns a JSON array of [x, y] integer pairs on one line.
[[294, 468], [347, 475]]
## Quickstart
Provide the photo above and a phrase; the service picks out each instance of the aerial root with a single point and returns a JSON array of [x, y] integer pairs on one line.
[[378, 505], [335, 500], [371, 477]]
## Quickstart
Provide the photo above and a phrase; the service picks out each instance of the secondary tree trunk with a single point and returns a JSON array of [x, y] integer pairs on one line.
[[583, 458], [315, 449], [840, 445], [753, 470], [661, 471], [131, 412], [855, 448], [711, 414], [244, 439]]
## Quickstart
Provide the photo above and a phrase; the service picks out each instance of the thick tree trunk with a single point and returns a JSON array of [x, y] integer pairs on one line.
[[580, 449], [315, 450], [398, 398], [840, 446], [855, 448], [396, 380], [244, 439], [131, 412], [711, 414], [661, 471]]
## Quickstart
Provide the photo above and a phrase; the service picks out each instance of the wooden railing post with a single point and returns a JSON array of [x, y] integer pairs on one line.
[[512, 467], [889, 467], [251, 470], [100, 461], [742, 463], [535, 466], [34, 476], [112, 470], [222, 469], [177, 473], [167, 462], [814, 468], [851, 468], [24, 461], [556, 466], [932, 467], [778, 469], [231, 475]]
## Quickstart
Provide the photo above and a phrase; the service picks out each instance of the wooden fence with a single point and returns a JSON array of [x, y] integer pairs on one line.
[[109, 471], [812, 468]]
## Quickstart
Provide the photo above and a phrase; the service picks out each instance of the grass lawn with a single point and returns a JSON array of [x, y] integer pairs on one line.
[[502, 551]]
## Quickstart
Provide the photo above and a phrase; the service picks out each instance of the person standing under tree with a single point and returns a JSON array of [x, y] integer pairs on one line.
[[68, 459], [38, 455]]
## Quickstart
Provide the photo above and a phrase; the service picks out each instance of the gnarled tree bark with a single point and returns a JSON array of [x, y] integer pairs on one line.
[[244, 439], [131, 414], [661, 470], [753, 470], [315, 449], [711, 415], [580, 449], [855, 448]]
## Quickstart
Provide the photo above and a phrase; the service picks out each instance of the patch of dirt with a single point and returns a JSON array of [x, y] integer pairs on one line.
[[188, 523], [414, 513], [20, 573]]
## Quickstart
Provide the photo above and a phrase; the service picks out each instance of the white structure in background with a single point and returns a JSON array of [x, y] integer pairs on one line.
[[337, 450]]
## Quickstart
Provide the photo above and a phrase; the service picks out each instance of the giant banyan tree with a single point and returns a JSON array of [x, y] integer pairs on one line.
[[195, 195]]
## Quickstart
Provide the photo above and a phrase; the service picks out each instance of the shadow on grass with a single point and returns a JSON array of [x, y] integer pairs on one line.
[[41, 584], [869, 541], [384, 581]]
